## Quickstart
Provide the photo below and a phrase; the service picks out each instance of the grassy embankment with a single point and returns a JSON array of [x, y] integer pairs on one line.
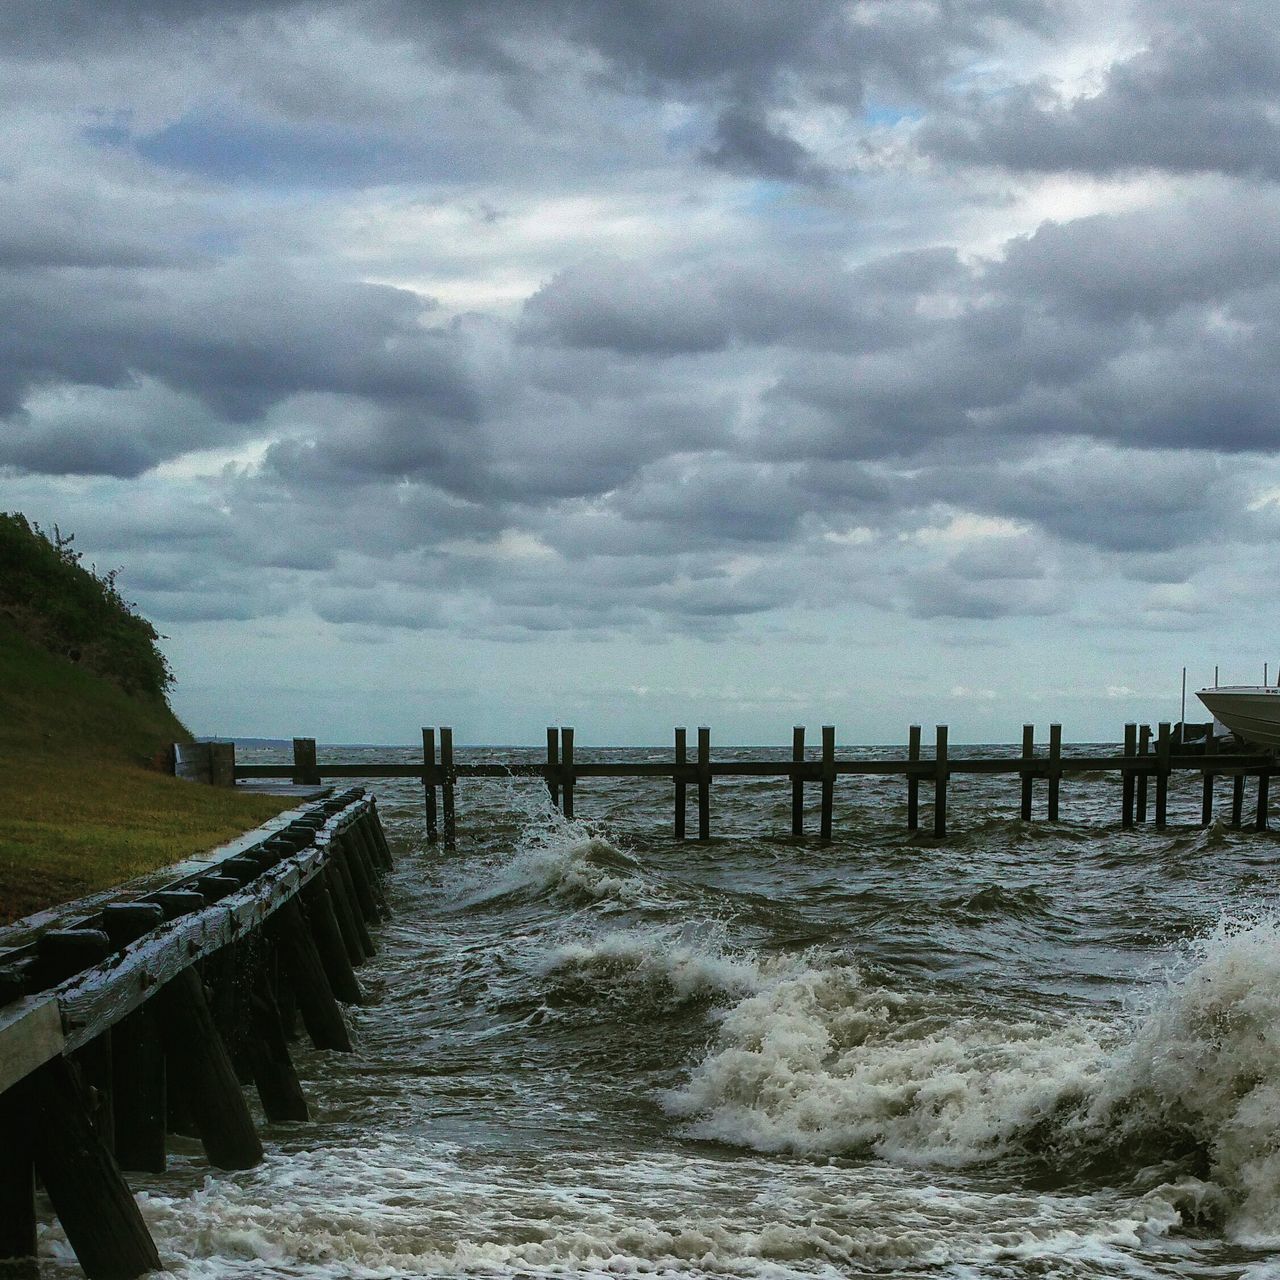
[[83, 720], [79, 807]]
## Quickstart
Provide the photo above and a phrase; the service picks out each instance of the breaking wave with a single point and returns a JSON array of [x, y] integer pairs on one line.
[[816, 1059]]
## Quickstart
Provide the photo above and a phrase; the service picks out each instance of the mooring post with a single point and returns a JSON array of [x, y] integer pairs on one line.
[[1028, 752], [1144, 745], [1055, 769], [704, 782], [1127, 779], [138, 1084], [1264, 779], [913, 779], [429, 782], [305, 771], [682, 759], [222, 764], [447, 779], [566, 768], [1163, 746], [201, 1070], [940, 783], [1206, 795], [797, 781], [89, 1194], [1237, 800], [553, 765], [828, 778]]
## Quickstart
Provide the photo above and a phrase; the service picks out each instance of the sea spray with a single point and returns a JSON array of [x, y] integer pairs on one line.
[[1205, 1062], [555, 854]]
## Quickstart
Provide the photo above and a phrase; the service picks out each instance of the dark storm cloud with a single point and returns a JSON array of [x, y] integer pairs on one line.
[[810, 301], [738, 360], [746, 143], [239, 339], [1199, 97], [1117, 501], [742, 63], [39, 27]]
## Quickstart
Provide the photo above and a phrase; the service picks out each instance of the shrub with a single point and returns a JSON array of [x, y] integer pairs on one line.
[[72, 611]]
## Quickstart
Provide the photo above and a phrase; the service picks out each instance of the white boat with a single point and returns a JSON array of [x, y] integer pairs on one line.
[[1250, 711]]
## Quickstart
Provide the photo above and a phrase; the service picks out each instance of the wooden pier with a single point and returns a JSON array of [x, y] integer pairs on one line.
[[144, 1011], [1146, 761]]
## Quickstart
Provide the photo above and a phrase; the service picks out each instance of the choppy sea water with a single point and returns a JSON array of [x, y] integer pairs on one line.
[[1026, 1051]]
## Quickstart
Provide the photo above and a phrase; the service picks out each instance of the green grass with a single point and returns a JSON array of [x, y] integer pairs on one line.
[[82, 803]]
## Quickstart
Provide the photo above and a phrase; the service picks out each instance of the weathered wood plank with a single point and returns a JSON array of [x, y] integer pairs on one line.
[[30, 1034]]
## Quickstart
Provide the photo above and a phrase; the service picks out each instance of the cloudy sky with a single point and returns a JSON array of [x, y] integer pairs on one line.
[[633, 363]]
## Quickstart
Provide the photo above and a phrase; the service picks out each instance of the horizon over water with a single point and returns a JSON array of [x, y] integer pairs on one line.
[[1026, 1051]]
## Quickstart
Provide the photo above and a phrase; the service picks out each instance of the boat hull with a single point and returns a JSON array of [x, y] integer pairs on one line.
[[1251, 712]]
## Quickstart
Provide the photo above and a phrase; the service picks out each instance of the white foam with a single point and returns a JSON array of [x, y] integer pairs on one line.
[[817, 1060], [383, 1211], [673, 965], [1206, 1060]]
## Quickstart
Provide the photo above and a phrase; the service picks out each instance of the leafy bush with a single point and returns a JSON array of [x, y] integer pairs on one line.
[[72, 611]]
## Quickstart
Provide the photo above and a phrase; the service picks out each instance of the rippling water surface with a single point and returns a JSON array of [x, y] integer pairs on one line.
[[1025, 1051]]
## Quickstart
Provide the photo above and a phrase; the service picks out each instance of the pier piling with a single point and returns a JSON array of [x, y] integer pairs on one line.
[[1206, 793], [1163, 747], [1028, 775], [89, 1194], [1055, 769], [429, 783], [321, 1014], [797, 781], [201, 1070], [1144, 747], [913, 779], [828, 779], [1128, 781], [566, 769], [681, 797], [704, 783], [553, 765], [940, 783], [447, 780]]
